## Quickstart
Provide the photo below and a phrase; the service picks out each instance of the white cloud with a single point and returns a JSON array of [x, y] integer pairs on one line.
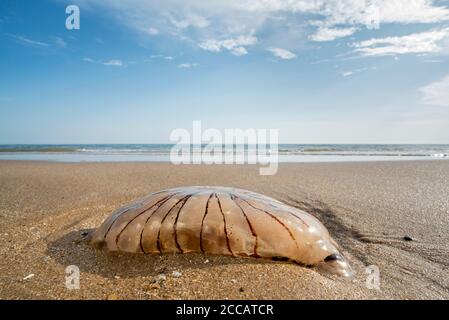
[[239, 51], [418, 43], [282, 53], [329, 34], [60, 42], [27, 41], [357, 12], [321, 61], [187, 65], [152, 31], [416, 11], [113, 63], [87, 59], [108, 63], [161, 56], [206, 23], [210, 45], [235, 45], [436, 93], [355, 71], [198, 13], [191, 20]]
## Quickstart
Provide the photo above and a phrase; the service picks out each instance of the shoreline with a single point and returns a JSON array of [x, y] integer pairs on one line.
[[368, 207], [283, 153], [282, 159]]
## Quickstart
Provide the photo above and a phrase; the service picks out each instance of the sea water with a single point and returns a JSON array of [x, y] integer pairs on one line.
[[287, 152]]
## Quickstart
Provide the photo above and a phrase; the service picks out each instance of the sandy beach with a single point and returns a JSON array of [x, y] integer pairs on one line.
[[368, 207]]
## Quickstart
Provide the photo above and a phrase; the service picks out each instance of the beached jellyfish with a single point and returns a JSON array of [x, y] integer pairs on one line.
[[219, 220]]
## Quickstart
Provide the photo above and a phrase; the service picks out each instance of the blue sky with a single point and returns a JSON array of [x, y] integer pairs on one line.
[[349, 71]]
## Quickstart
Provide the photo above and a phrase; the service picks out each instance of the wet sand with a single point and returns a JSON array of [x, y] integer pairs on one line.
[[368, 208]]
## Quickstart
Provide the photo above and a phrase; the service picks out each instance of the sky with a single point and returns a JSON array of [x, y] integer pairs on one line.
[[348, 71]]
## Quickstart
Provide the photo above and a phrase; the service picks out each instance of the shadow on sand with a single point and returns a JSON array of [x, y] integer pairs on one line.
[[73, 249]]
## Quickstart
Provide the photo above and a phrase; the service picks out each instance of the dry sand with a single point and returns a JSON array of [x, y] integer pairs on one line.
[[368, 208]]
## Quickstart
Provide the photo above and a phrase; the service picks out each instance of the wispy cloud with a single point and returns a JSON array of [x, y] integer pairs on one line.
[[113, 63], [87, 59], [27, 41], [54, 42], [187, 65], [321, 61], [282, 53], [161, 56], [190, 20], [436, 93], [235, 45], [108, 63], [152, 31], [418, 43], [60, 42], [329, 34], [355, 71]]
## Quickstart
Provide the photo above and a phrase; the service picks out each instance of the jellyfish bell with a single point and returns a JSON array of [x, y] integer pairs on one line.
[[223, 221]]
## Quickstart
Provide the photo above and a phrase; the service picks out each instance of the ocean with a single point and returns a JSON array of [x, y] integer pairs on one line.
[[286, 152]]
